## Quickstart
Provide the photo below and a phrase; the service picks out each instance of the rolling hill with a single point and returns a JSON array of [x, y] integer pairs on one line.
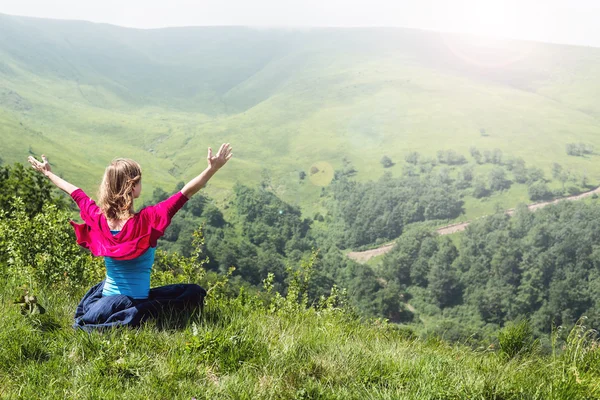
[[84, 93]]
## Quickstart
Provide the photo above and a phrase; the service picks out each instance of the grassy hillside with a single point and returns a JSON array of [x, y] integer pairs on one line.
[[84, 93], [241, 350]]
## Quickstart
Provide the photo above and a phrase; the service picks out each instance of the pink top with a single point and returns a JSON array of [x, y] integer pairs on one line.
[[138, 234]]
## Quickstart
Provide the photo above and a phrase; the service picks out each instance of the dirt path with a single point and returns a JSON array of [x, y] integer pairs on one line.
[[364, 256]]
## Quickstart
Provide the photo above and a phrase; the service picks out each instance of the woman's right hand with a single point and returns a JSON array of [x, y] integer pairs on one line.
[[43, 167], [224, 154]]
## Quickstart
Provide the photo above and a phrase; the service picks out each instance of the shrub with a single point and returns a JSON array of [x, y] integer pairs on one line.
[[412, 158], [579, 149], [539, 191], [516, 338], [386, 162], [42, 249]]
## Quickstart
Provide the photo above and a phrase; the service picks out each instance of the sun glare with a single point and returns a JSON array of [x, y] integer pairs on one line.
[[486, 26], [486, 18]]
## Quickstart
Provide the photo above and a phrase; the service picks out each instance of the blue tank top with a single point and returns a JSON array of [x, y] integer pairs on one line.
[[129, 277]]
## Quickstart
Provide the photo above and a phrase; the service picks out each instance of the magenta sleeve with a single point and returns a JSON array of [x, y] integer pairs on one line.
[[162, 212], [89, 211]]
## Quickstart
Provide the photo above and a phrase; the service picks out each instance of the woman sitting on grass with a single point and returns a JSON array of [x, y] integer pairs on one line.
[[127, 241]]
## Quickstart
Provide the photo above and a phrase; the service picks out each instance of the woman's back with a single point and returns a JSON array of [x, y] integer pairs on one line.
[[129, 277]]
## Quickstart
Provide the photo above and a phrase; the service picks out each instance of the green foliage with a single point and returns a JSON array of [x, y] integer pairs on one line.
[[266, 218], [377, 211], [412, 158], [443, 280], [480, 189], [541, 266], [450, 157], [579, 149], [516, 339], [42, 248], [386, 162], [476, 154], [539, 191], [498, 181], [34, 188]]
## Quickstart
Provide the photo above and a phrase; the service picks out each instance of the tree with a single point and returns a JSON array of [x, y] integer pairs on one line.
[[496, 156], [539, 191], [386, 162], [556, 170], [476, 154], [465, 177], [196, 204], [498, 180], [519, 171], [158, 195], [535, 174], [479, 189], [213, 215], [467, 173], [579, 149], [450, 157], [412, 158], [444, 176], [34, 188], [487, 156], [444, 284], [348, 168]]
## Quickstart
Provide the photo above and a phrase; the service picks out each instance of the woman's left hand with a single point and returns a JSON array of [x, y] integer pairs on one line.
[[224, 154]]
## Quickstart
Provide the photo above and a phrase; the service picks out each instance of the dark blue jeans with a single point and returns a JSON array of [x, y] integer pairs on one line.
[[97, 311]]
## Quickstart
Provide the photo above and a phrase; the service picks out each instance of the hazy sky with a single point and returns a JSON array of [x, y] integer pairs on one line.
[[560, 21]]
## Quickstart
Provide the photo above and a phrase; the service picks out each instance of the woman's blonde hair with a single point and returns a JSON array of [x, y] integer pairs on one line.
[[115, 196]]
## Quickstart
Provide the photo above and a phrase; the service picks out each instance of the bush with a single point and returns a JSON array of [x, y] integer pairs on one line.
[[42, 249], [516, 338], [412, 158], [539, 191], [451, 157], [579, 149], [480, 190], [386, 162], [573, 190]]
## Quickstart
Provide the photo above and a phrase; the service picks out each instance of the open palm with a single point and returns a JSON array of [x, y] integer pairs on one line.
[[42, 167], [223, 155]]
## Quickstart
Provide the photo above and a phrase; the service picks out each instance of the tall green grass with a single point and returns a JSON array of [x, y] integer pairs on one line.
[[249, 347]]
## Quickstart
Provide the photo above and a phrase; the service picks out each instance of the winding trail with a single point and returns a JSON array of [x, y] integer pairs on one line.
[[364, 256]]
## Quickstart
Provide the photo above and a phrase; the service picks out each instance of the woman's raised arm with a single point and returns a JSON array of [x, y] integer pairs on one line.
[[44, 168], [214, 164]]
